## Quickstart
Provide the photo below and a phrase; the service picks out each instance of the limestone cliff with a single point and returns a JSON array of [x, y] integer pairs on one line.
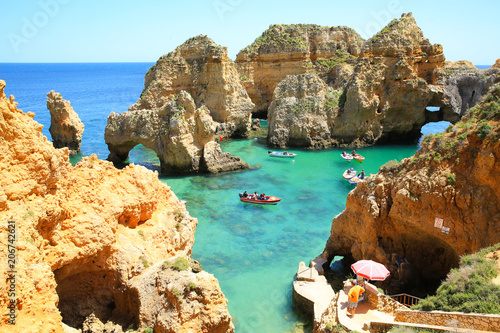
[[203, 69], [181, 135], [393, 83], [93, 239], [496, 64], [66, 128], [302, 113], [284, 50], [392, 216]]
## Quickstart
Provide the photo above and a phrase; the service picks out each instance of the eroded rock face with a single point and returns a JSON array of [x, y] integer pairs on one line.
[[66, 128], [393, 83], [203, 69], [391, 216], [284, 50], [302, 113], [86, 234], [181, 135]]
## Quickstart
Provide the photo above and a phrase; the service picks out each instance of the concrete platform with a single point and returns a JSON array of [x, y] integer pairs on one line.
[[365, 313]]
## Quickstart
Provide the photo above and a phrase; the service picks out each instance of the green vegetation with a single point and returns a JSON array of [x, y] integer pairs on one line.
[[451, 178], [180, 264], [191, 286], [178, 214], [341, 57], [468, 288], [141, 233], [144, 261], [29, 213]]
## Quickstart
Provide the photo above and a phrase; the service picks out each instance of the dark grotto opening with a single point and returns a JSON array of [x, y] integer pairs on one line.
[[89, 290]]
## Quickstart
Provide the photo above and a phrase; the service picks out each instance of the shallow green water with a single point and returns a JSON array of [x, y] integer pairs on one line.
[[254, 251]]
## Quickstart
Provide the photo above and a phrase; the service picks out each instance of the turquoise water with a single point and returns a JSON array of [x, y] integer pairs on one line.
[[253, 251]]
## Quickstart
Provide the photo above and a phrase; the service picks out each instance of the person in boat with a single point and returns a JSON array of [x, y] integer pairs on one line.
[[245, 194], [255, 196], [285, 153], [262, 196], [362, 174], [344, 154], [353, 153]]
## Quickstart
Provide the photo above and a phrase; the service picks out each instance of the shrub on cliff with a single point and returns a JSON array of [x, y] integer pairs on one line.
[[468, 288]]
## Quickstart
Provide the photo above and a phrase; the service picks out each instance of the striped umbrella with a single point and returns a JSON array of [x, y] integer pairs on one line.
[[370, 269]]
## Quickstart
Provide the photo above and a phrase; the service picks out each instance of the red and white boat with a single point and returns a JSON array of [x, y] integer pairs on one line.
[[267, 200], [348, 174]]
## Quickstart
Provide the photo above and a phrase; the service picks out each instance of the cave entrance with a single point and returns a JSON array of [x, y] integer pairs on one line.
[[89, 289]]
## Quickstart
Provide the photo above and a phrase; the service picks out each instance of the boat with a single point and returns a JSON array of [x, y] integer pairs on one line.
[[354, 180], [348, 174], [281, 154], [358, 158], [347, 157], [268, 200]]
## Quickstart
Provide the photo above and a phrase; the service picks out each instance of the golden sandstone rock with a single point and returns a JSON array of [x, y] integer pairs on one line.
[[88, 237], [203, 69], [420, 215], [66, 128]]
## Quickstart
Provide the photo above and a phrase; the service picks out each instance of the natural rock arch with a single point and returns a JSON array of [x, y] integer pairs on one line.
[[181, 135]]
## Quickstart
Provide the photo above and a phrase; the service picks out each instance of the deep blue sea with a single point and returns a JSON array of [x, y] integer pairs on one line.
[[253, 251]]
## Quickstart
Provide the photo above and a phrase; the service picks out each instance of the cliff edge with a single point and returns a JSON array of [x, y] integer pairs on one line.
[[418, 216], [90, 241]]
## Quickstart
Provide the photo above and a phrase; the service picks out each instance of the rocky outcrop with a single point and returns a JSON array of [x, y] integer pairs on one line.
[[420, 215], [496, 64], [465, 86], [284, 50], [66, 128], [393, 83], [302, 113], [89, 238], [203, 69], [181, 135]]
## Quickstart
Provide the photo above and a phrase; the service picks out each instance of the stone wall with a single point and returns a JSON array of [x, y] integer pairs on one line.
[[480, 322]]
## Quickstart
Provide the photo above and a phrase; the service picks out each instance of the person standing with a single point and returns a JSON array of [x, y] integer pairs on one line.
[[353, 296]]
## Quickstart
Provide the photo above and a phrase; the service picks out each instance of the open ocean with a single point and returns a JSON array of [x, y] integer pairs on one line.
[[253, 251]]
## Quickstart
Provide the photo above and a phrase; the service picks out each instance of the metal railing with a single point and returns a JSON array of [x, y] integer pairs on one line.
[[405, 299]]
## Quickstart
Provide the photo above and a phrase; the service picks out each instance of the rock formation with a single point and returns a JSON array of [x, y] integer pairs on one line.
[[496, 64], [66, 128], [203, 69], [284, 50], [387, 82], [92, 239], [302, 112], [393, 216], [393, 84], [181, 135]]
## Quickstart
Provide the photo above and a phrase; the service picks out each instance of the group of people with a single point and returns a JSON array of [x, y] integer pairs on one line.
[[353, 153], [254, 196]]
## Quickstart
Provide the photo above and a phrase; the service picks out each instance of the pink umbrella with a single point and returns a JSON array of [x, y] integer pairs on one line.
[[370, 269]]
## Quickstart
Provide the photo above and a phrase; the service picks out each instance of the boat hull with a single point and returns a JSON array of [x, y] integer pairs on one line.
[[269, 201], [281, 155], [348, 175], [347, 157]]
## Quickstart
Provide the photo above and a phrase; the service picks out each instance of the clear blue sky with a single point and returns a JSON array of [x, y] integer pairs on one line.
[[130, 31]]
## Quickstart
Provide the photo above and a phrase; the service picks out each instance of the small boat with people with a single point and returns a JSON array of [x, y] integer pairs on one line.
[[345, 156], [349, 173], [261, 199], [283, 154], [358, 158], [358, 178], [355, 156]]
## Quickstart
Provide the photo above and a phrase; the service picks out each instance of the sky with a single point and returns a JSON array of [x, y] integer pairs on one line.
[[142, 31]]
